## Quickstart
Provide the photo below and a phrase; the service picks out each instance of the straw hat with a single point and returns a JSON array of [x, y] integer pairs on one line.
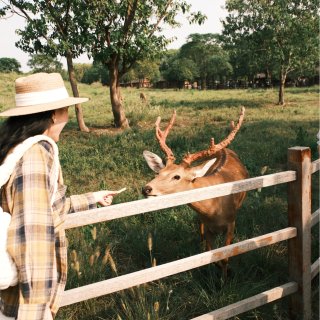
[[40, 92]]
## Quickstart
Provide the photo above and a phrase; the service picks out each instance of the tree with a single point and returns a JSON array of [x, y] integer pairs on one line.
[[200, 48], [96, 73], [130, 76], [219, 66], [9, 65], [246, 61], [52, 29], [116, 33], [147, 69], [80, 69], [44, 63], [180, 70], [124, 32], [281, 35], [166, 58]]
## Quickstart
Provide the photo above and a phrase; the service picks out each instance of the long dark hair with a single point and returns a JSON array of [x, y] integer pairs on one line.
[[16, 129]]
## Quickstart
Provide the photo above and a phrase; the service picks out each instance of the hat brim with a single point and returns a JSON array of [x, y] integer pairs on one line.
[[21, 111]]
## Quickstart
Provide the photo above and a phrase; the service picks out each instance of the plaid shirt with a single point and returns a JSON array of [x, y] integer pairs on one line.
[[36, 237]]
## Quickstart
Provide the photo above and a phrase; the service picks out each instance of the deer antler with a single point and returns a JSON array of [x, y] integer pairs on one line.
[[162, 136], [189, 158]]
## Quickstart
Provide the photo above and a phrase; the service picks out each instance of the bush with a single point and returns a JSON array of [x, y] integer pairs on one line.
[[9, 65]]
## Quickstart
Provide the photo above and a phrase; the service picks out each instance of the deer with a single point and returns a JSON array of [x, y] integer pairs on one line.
[[218, 165], [143, 97]]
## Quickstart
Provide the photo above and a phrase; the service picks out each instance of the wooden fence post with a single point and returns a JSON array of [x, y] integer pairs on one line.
[[299, 216]]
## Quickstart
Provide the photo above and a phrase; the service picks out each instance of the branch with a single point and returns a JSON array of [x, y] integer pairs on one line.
[[160, 18], [67, 14], [55, 18], [5, 8], [124, 68], [25, 14], [129, 18]]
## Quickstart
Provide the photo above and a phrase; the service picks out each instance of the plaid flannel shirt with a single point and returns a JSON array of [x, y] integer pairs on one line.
[[36, 237]]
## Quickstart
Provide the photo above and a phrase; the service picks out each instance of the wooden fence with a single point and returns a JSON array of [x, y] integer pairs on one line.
[[298, 234]]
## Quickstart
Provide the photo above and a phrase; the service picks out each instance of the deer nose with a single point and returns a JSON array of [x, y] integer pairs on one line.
[[146, 190]]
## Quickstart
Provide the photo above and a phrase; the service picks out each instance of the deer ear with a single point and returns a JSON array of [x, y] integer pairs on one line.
[[154, 161], [202, 169]]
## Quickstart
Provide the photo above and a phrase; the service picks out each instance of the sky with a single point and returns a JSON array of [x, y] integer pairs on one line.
[[213, 9]]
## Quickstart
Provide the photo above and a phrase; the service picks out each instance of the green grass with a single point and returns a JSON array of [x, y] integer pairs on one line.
[[110, 158]]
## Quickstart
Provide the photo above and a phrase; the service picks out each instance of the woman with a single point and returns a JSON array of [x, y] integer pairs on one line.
[[36, 239]]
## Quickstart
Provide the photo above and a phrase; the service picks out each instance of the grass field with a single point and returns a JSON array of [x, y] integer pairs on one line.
[[110, 158]]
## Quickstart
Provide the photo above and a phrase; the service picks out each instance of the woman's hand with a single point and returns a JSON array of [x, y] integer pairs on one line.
[[105, 197]]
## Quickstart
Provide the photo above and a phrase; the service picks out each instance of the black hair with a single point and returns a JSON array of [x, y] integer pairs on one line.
[[16, 129]]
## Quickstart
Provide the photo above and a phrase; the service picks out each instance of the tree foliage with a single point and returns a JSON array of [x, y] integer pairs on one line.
[[147, 69], [9, 65], [219, 66], [206, 52], [129, 31], [52, 29], [44, 63], [274, 35], [96, 73], [115, 33], [180, 70], [121, 33], [80, 69]]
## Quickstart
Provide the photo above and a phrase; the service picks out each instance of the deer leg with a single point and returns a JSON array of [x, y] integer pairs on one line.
[[202, 231], [209, 238], [229, 239], [201, 225], [202, 236]]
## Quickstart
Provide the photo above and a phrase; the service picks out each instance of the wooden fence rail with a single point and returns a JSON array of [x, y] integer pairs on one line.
[[315, 166], [298, 234], [133, 279], [315, 217], [172, 200], [251, 303], [315, 268]]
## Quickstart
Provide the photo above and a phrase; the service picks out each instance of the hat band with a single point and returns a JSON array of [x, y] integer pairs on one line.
[[34, 98]]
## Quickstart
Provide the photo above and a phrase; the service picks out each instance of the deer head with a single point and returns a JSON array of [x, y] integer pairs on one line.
[[173, 177]]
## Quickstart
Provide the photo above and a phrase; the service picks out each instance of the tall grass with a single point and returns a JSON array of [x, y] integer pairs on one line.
[[110, 158]]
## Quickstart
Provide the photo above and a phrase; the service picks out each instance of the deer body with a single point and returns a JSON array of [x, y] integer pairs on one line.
[[219, 214], [221, 165], [143, 97]]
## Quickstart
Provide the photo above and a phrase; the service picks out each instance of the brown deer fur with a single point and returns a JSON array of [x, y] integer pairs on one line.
[[221, 165], [143, 97]]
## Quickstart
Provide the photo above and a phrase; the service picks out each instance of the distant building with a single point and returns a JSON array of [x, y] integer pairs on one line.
[[137, 83]]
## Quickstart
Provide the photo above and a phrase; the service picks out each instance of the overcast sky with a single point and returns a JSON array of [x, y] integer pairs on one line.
[[214, 9]]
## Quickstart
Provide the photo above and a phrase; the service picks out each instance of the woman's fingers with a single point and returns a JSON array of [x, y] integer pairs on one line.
[[108, 200], [105, 197]]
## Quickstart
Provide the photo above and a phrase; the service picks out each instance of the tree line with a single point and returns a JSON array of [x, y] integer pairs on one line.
[[124, 40], [201, 59]]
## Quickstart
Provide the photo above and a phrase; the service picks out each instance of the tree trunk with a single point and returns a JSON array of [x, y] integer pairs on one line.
[[283, 76], [269, 77], [75, 92], [120, 120], [204, 84]]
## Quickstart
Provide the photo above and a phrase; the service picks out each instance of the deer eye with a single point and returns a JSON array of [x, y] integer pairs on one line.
[[176, 177]]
